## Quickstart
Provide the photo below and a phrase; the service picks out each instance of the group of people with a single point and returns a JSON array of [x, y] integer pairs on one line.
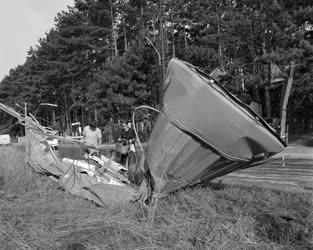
[[93, 137]]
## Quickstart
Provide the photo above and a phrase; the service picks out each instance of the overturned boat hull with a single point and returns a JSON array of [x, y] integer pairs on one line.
[[204, 132]]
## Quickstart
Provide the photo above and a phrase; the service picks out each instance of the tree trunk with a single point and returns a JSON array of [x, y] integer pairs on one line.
[[75, 115], [267, 93], [113, 30], [62, 117], [162, 42], [141, 8], [125, 37], [252, 43], [53, 117], [83, 116], [162, 51], [219, 41], [256, 93], [267, 102], [166, 44], [67, 120], [186, 42], [96, 115], [173, 38]]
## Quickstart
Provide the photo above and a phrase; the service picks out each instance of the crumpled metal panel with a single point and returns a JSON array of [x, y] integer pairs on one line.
[[203, 132], [40, 157], [176, 159], [203, 108], [81, 184]]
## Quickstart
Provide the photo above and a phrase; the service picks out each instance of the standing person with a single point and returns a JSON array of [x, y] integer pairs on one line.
[[92, 135], [127, 138], [127, 133]]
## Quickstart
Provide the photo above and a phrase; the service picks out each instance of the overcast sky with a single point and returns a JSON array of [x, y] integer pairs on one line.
[[22, 23]]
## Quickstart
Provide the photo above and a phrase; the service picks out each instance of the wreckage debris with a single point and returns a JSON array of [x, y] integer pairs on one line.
[[202, 132]]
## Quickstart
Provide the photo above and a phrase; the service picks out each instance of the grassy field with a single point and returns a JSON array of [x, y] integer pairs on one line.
[[35, 214]]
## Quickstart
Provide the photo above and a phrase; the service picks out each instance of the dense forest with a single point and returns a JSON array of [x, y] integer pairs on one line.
[[102, 58]]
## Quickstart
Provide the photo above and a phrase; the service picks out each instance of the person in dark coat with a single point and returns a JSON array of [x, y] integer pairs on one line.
[[127, 133], [127, 137]]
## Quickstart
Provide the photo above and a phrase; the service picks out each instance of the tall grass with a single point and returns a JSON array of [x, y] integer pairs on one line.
[[35, 214]]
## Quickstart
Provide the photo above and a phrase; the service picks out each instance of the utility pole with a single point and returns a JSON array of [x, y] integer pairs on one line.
[[284, 101]]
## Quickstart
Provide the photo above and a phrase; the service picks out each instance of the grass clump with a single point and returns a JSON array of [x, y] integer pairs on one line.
[[35, 214]]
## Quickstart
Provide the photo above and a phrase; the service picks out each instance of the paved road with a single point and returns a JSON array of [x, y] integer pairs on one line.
[[291, 168]]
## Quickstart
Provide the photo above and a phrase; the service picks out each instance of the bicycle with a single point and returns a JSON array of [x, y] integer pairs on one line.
[[127, 147]]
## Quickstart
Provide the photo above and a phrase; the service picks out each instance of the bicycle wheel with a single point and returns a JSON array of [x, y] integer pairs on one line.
[[135, 174], [132, 159]]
